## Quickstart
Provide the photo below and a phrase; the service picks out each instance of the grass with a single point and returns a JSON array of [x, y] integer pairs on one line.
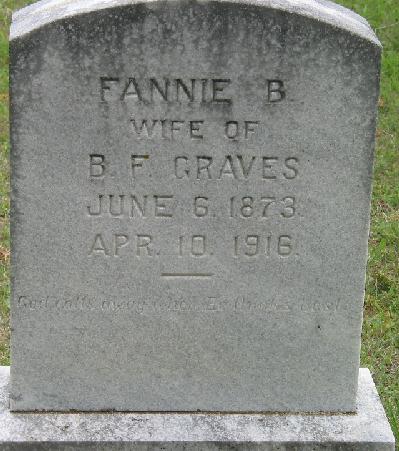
[[380, 350], [380, 345]]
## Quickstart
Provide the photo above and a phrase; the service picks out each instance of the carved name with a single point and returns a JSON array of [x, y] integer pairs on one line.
[[179, 90]]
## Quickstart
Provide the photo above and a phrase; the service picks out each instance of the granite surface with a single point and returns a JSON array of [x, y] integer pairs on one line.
[[368, 430], [47, 11], [190, 205]]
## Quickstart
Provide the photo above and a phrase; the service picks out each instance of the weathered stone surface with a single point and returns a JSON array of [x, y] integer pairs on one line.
[[368, 430], [225, 270]]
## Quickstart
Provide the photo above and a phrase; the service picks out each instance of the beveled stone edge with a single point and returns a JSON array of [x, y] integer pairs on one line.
[[41, 13], [368, 427]]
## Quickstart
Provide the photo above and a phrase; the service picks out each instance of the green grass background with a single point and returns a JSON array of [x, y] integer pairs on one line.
[[380, 349]]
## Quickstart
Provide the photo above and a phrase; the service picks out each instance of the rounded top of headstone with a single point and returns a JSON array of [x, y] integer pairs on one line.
[[44, 12]]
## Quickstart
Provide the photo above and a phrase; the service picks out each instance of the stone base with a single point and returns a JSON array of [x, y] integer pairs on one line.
[[367, 430]]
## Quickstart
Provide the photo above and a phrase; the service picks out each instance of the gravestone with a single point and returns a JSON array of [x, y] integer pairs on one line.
[[191, 190], [190, 212]]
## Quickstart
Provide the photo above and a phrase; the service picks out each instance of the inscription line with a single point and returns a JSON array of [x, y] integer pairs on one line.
[[176, 275]]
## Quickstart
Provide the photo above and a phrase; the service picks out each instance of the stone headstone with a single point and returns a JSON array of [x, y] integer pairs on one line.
[[190, 204], [185, 431]]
